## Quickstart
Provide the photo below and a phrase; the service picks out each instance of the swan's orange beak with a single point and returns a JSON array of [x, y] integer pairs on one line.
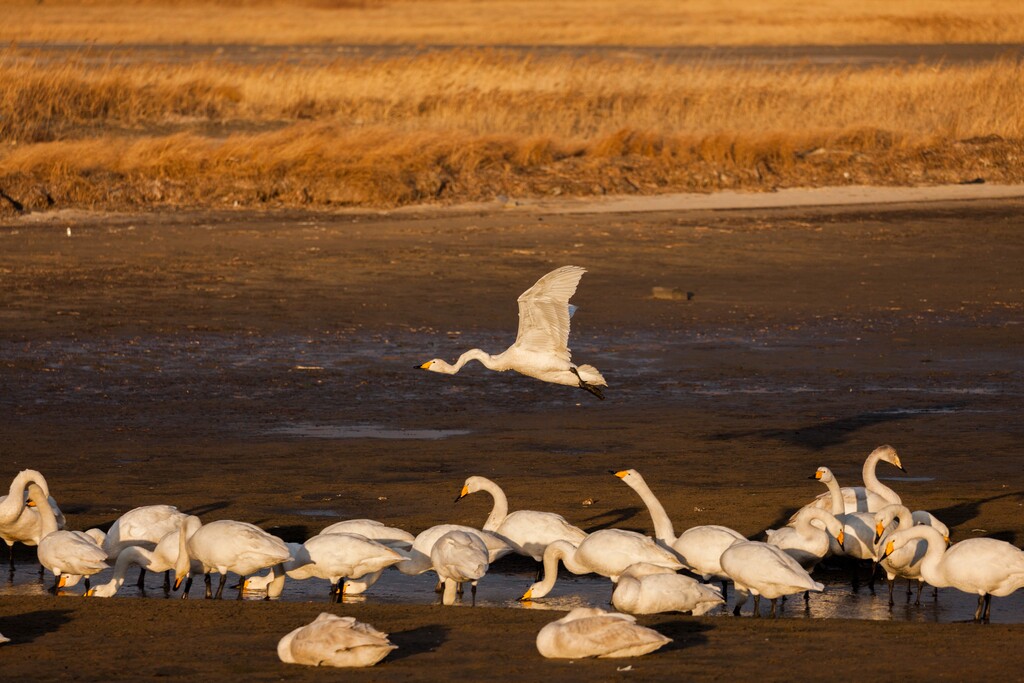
[[177, 582], [63, 580], [463, 493], [817, 475], [841, 537], [889, 547], [622, 474], [878, 531], [528, 594], [30, 504], [426, 366]]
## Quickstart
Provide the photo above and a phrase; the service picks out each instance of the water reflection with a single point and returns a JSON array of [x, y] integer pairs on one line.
[[502, 588]]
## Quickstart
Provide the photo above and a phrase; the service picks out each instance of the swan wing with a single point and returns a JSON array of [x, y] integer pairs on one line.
[[544, 313], [338, 641], [598, 636]]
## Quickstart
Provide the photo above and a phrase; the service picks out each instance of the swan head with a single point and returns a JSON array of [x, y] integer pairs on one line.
[[889, 455], [528, 595], [436, 365], [472, 485], [823, 474], [627, 475]]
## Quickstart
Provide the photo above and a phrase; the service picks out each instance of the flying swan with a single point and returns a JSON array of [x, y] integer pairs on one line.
[[541, 347]]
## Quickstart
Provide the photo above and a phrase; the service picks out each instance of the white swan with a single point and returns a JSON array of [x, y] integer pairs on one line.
[[529, 532], [333, 556], [905, 562], [858, 527], [162, 558], [225, 546], [142, 526], [541, 347], [985, 566], [64, 552], [607, 552], [20, 521], [699, 547], [649, 589], [805, 542], [593, 632], [764, 570], [874, 495], [330, 640], [372, 529], [459, 557]]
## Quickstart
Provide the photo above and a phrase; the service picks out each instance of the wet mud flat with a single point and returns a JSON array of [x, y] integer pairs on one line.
[[260, 367]]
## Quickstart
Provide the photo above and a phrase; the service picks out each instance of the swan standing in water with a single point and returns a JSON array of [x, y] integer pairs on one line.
[[20, 521], [607, 552], [874, 495], [64, 552], [541, 347], [699, 547], [529, 532], [593, 632], [142, 526], [459, 557], [225, 546], [333, 556], [649, 589], [905, 562], [764, 570], [330, 640], [162, 558], [984, 566], [805, 542]]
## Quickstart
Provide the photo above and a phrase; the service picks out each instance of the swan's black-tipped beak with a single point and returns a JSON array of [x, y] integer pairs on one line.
[[813, 476], [903, 469]]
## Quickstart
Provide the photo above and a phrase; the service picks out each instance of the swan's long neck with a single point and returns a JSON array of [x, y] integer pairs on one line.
[[488, 361], [14, 504], [803, 525], [48, 522], [558, 551], [132, 555], [183, 564], [838, 504], [663, 529], [500, 510], [936, 549], [871, 482]]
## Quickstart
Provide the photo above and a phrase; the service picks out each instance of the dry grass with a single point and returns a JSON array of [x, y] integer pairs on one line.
[[496, 22]]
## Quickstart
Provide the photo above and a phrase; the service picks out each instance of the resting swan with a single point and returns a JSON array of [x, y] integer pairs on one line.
[[607, 552], [985, 566], [764, 570], [593, 632], [649, 589], [529, 532], [330, 640], [541, 347], [698, 547]]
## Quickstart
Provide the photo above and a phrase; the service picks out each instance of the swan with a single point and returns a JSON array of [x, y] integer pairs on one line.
[[458, 557], [805, 542], [986, 566], [698, 547], [541, 347], [906, 562], [64, 552], [874, 495], [607, 552], [142, 526], [593, 632], [331, 556], [858, 527], [528, 531], [162, 558], [225, 546], [330, 640], [20, 521], [765, 570], [649, 589]]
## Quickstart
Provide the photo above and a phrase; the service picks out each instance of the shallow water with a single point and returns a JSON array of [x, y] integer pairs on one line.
[[503, 588]]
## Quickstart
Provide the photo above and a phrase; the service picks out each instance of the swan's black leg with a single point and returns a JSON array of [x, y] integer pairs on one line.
[[220, 586], [188, 585], [981, 606], [757, 605], [56, 584], [339, 592], [772, 612], [141, 583], [167, 581], [807, 598], [725, 590], [988, 607], [596, 391], [920, 589], [87, 586], [241, 586], [209, 592], [892, 584], [472, 591]]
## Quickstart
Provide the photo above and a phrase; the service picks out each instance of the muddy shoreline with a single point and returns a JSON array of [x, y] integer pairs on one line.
[[222, 361]]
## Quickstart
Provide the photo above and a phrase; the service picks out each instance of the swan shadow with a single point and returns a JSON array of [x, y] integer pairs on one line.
[[837, 432], [25, 628], [200, 510], [685, 633], [417, 641], [292, 533], [962, 513], [612, 518]]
